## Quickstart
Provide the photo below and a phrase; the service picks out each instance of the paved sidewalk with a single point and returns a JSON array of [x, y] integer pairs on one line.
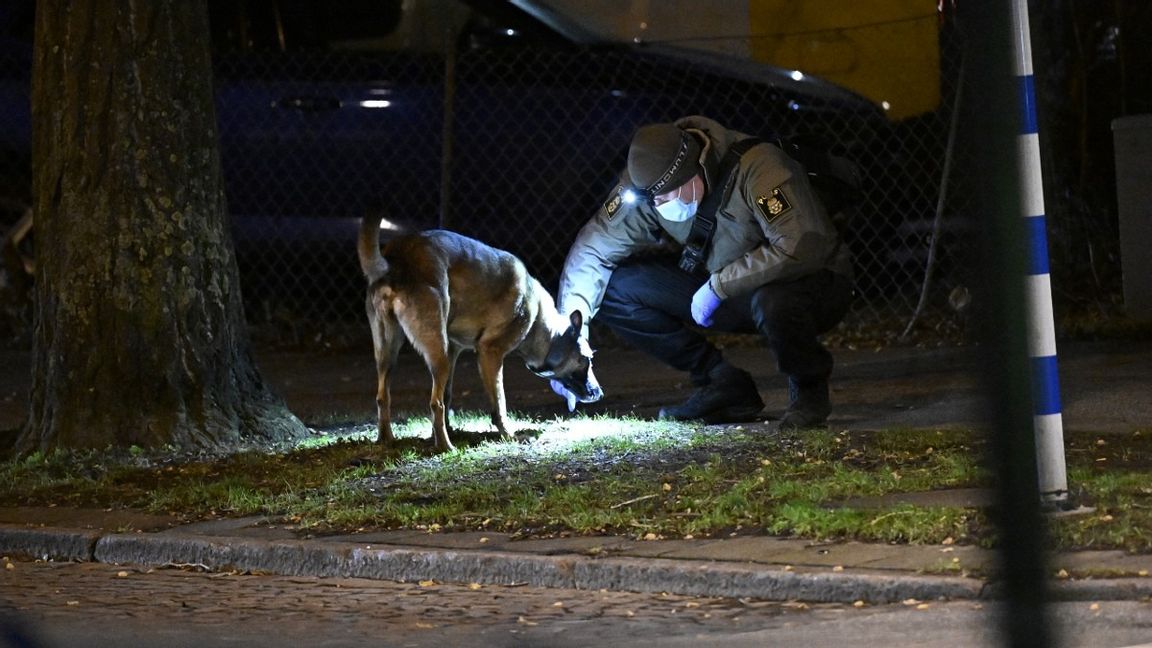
[[1104, 389], [755, 567]]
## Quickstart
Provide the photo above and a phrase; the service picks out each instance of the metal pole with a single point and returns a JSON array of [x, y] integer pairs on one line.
[[1047, 420], [941, 201], [993, 129], [447, 130]]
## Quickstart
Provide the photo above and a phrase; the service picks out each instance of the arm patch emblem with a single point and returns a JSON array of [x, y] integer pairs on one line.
[[773, 205], [614, 203]]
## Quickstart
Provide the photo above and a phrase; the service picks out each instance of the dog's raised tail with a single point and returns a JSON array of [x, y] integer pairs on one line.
[[368, 246]]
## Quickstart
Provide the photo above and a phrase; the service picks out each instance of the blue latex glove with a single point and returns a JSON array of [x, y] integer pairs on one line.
[[704, 304], [562, 392]]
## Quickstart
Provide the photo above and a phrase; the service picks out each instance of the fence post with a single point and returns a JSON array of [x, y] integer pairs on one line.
[[1046, 409]]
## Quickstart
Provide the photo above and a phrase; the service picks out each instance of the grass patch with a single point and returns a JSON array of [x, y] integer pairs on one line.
[[597, 475]]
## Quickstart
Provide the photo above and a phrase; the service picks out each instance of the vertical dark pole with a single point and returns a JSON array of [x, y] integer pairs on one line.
[[447, 128], [993, 123]]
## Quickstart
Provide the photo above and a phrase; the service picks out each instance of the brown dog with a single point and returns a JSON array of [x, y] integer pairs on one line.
[[444, 293]]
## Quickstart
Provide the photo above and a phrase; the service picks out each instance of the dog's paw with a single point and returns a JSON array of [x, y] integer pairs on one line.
[[527, 436]]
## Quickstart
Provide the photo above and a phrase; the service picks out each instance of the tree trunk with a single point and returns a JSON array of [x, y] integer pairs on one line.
[[140, 336]]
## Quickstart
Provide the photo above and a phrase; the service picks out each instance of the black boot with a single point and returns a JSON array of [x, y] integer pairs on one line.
[[808, 406], [730, 396]]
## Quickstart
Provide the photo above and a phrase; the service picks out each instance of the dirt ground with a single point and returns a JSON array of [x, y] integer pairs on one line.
[[1105, 387]]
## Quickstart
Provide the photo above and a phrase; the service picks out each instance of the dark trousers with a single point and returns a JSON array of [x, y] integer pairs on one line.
[[648, 304]]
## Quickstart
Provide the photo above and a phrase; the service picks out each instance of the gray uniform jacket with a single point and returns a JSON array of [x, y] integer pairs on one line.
[[770, 226]]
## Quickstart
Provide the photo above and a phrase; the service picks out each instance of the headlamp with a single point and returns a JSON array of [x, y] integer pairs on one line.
[[633, 195]]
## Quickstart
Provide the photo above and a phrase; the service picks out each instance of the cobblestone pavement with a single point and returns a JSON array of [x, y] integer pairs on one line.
[[110, 605], [95, 605]]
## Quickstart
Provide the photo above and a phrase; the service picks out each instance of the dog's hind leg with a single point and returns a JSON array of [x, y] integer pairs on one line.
[[490, 359], [437, 359], [454, 351], [424, 320], [386, 341]]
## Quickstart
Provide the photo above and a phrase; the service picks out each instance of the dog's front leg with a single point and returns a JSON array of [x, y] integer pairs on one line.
[[490, 360]]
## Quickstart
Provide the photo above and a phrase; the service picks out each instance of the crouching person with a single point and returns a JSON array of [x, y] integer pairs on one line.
[[752, 251]]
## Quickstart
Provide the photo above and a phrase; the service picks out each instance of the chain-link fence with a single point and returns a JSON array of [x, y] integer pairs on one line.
[[518, 146]]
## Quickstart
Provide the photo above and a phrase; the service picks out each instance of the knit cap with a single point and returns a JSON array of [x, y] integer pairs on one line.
[[662, 157]]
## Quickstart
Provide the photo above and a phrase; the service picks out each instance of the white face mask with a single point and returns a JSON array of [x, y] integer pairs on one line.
[[676, 210]]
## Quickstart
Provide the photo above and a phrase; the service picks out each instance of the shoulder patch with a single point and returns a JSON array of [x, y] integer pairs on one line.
[[773, 204], [615, 202]]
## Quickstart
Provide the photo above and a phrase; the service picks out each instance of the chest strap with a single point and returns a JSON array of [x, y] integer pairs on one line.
[[695, 255]]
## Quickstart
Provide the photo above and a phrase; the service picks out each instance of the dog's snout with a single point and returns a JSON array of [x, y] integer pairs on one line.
[[595, 394], [592, 388]]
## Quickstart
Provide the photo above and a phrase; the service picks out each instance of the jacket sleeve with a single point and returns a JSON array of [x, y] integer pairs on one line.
[[613, 234], [798, 236]]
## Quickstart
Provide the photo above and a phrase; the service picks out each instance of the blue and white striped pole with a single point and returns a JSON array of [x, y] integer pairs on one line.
[[1046, 410]]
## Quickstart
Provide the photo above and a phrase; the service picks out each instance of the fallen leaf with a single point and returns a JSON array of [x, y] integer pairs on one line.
[[838, 568], [475, 586], [859, 604], [427, 583], [121, 574]]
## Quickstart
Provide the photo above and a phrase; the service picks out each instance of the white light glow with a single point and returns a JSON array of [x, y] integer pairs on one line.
[[629, 196], [387, 225], [885, 105], [375, 103], [797, 75]]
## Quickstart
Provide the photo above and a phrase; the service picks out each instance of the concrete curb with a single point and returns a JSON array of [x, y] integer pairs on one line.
[[47, 543], [692, 578], [343, 559], [320, 558]]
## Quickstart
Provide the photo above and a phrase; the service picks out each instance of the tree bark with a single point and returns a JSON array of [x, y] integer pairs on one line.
[[140, 336]]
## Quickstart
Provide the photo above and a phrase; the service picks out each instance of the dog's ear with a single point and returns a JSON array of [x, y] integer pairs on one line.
[[577, 319]]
